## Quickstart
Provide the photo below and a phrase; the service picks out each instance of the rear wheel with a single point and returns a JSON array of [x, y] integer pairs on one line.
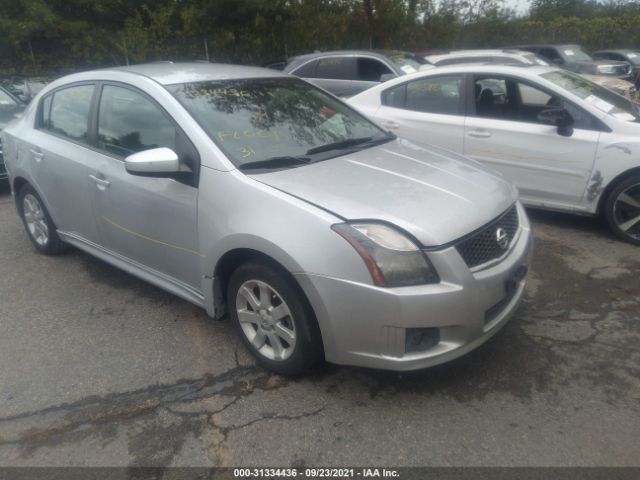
[[37, 222], [273, 318], [622, 210]]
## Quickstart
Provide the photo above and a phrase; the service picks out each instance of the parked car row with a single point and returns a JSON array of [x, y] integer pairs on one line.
[[567, 143], [318, 230]]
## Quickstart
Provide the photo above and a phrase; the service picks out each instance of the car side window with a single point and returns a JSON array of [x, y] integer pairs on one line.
[[511, 100], [307, 70], [370, 69], [395, 96], [336, 68], [66, 112], [440, 95], [128, 123]]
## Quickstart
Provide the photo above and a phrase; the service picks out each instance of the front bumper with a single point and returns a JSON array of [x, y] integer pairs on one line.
[[367, 326]]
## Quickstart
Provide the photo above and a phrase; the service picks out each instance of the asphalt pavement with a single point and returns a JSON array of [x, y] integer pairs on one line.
[[98, 368]]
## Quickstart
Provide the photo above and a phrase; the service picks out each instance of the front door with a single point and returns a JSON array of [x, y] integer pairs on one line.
[[504, 133], [148, 220]]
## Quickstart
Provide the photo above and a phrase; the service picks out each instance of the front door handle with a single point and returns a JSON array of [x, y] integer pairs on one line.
[[37, 156], [101, 183], [479, 134], [390, 124]]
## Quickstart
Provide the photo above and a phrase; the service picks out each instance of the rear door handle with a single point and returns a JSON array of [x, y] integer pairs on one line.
[[37, 156], [101, 183], [479, 134], [390, 125]]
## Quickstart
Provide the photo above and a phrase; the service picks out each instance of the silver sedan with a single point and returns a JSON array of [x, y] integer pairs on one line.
[[255, 194]]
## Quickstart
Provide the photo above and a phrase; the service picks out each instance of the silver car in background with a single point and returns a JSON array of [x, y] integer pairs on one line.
[[250, 192]]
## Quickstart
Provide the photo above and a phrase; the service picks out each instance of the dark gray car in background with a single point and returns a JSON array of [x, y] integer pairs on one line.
[[623, 55], [348, 72], [574, 58]]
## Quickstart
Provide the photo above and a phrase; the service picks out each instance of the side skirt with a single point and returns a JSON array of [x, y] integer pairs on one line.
[[147, 274]]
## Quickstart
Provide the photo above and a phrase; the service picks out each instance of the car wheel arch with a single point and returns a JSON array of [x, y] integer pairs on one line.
[[612, 185], [231, 260]]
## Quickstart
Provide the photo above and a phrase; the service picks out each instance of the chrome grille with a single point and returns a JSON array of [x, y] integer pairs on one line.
[[482, 246]]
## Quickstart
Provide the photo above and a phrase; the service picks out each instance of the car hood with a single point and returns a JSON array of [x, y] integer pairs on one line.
[[434, 194], [8, 113]]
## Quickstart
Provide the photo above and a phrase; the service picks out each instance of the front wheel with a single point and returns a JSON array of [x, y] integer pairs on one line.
[[622, 210], [273, 318]]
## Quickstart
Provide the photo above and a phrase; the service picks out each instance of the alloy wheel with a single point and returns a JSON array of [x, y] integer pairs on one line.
[[35, 219], [626, 211], [266, 320]]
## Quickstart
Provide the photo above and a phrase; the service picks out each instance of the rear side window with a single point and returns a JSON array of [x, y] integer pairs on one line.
[[395, 97], [440, 95], [308, 70], [337, 68], [66, 112], [128, 123], [435, 95]]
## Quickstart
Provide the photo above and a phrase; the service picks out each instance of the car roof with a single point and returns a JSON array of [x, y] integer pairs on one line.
[[167, 73], [545, 45], [478, 53], [617, 50], [375, 53]]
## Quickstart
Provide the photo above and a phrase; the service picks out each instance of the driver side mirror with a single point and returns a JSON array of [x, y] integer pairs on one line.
[[558, 117], [154, 162], [385, 77], [557, 62]]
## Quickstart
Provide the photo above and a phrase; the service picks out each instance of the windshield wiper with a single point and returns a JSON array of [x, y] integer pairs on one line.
[[275, 162], [350, 142]]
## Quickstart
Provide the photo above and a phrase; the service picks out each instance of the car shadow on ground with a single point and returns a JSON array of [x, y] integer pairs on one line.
[[592, 225]]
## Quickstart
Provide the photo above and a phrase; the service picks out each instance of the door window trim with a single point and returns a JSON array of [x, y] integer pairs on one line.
[[39, 121]]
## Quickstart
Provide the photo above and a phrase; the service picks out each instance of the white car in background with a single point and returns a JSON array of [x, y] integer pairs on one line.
[[566, 142]]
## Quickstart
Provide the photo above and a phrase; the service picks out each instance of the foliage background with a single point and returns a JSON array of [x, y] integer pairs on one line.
[[39, 36]]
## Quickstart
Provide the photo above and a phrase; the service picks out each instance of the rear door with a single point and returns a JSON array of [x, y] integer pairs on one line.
[[503, 132], [148, 220], [61, 159], [428, 110]]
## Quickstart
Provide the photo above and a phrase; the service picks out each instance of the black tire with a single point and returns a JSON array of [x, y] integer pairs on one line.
[[307, 349], [53, 245], [616, 212]]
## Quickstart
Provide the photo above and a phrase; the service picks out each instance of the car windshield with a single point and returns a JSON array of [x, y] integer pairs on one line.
[[407, 62], [275, 121], [6, 99], [576, 54], [600, 97]]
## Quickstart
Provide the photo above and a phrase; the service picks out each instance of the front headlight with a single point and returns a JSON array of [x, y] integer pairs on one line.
[[393, 259], [608, 69]]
